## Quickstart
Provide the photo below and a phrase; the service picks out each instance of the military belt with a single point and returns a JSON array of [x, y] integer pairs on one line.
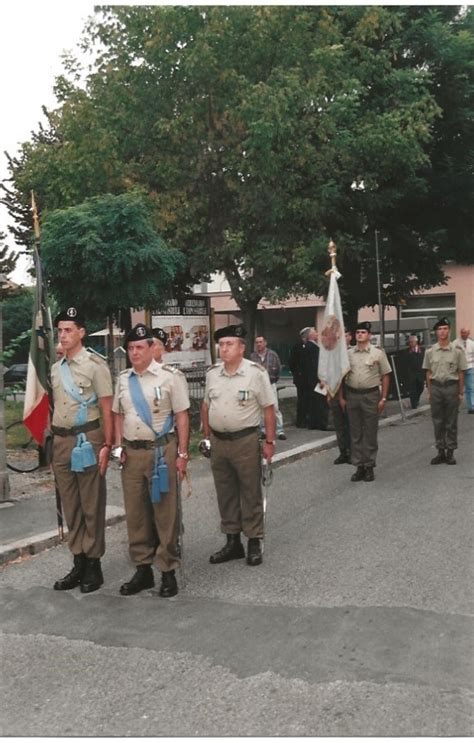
[[232, 435], [361, 391], [445, 383], [89, 426], [146, 444]]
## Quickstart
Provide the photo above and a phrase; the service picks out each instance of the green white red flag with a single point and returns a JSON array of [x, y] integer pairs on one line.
[[36, 410]]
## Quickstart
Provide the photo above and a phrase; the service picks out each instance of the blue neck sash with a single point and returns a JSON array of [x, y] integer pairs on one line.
[[159, 480], [83, 454]]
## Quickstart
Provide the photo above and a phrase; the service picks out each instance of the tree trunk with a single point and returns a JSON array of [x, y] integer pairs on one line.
[[249, 321]]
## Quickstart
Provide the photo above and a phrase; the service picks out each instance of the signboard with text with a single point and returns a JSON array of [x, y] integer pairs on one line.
[[187, 324]]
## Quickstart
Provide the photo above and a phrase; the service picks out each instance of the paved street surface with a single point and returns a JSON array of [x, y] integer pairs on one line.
[[359, 622]]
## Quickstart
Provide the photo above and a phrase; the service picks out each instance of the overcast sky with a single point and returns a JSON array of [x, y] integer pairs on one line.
[[32, 39], [33, 35]]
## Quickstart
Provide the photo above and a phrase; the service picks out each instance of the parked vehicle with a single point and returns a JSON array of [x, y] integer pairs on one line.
[[15, 374]]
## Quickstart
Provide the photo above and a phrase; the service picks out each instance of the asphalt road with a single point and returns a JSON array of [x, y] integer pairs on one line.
[[359, 622]]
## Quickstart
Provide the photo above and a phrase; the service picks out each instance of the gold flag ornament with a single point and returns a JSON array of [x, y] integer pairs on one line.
[[333, 356]]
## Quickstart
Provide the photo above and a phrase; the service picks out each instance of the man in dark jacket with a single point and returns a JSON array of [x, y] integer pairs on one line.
[[297, 365]]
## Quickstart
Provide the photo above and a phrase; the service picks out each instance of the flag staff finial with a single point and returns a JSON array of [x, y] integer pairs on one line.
[[332, 254]]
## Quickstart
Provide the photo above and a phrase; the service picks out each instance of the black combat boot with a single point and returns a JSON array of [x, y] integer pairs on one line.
[[254, 551], [343, 458], [440, 458], [359, 474], [92, 578], [369, 474], [73, 578], [168, 587], [450, 457], [141, 580], [233, 550]]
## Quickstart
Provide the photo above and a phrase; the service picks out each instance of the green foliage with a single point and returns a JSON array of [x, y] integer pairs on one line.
[[247, 126], [17, 322], [8, 259], [105, 256]]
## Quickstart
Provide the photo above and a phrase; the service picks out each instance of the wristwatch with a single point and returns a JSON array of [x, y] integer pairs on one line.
[[272, 443], [183, 455]]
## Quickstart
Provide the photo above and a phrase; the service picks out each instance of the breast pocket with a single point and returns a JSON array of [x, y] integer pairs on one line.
[[214, 395], [85, 385]]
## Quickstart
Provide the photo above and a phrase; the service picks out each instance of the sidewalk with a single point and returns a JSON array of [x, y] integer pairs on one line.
[[28, 520]]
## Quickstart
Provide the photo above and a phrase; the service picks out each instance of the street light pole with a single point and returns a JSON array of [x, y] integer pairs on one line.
[[379, 291]]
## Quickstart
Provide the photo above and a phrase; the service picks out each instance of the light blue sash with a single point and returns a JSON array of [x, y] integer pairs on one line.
[[83, 454], [160, 479]]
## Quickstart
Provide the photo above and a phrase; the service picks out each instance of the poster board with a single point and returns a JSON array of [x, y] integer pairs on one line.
[[188, 326]]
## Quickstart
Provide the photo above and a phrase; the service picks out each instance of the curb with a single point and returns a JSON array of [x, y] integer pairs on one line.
[[40, 542], [114, 515], [329, 442]]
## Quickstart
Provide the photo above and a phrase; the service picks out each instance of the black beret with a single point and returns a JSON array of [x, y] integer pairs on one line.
[[364, 326], [231, 331], [442, 321], [72, 314], [139, 333], [161, 335]]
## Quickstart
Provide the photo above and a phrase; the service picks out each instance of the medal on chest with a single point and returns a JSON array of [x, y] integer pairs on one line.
[[157, 398], [243, 396]]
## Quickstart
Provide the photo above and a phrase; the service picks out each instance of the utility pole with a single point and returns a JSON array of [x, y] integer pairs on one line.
[[379, 291], [4, 480]]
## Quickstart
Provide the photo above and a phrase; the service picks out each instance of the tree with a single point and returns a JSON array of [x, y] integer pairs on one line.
[[247, 127], [105, 257], [17, 316], [8, 259]]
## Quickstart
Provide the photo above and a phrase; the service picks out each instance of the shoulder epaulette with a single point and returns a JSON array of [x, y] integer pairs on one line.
[[214, 366], [259, 366], [172, 369], [97, 358], [124, 371]]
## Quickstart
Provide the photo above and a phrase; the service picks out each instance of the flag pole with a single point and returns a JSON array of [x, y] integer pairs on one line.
[[47, 327]]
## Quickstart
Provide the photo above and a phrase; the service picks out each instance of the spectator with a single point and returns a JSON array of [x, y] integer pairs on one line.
[[467, 345], [296, 364], [415, 374], [271, 361]]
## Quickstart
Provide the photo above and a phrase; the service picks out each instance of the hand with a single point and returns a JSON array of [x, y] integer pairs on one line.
[[268, 451], [381, 405], [104, 455], [181, 465], [343, 403]]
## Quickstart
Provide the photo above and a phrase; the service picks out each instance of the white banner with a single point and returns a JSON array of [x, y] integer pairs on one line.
[[333, 358]]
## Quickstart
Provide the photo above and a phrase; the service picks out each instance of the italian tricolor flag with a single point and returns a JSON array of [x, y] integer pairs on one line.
[[36, 408]]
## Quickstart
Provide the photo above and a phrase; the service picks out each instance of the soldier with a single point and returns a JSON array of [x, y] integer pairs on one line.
[[445, 365], [160, 339], [237, 392], [82, 388], [149, 399], [369, 367]]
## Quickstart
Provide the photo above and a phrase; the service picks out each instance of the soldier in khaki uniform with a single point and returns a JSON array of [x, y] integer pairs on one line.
[[160, 339], [445, 365], [83, 493], [165, 394], [360, 395], [238, 392]]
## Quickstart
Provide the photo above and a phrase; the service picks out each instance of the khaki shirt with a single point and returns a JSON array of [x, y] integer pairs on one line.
[[445, 363], [90, 374], [236, 400], [368, 366], [165, 390]]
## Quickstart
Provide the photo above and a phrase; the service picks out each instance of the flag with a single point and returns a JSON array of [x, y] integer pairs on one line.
[[36, 410], [333, 359]]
